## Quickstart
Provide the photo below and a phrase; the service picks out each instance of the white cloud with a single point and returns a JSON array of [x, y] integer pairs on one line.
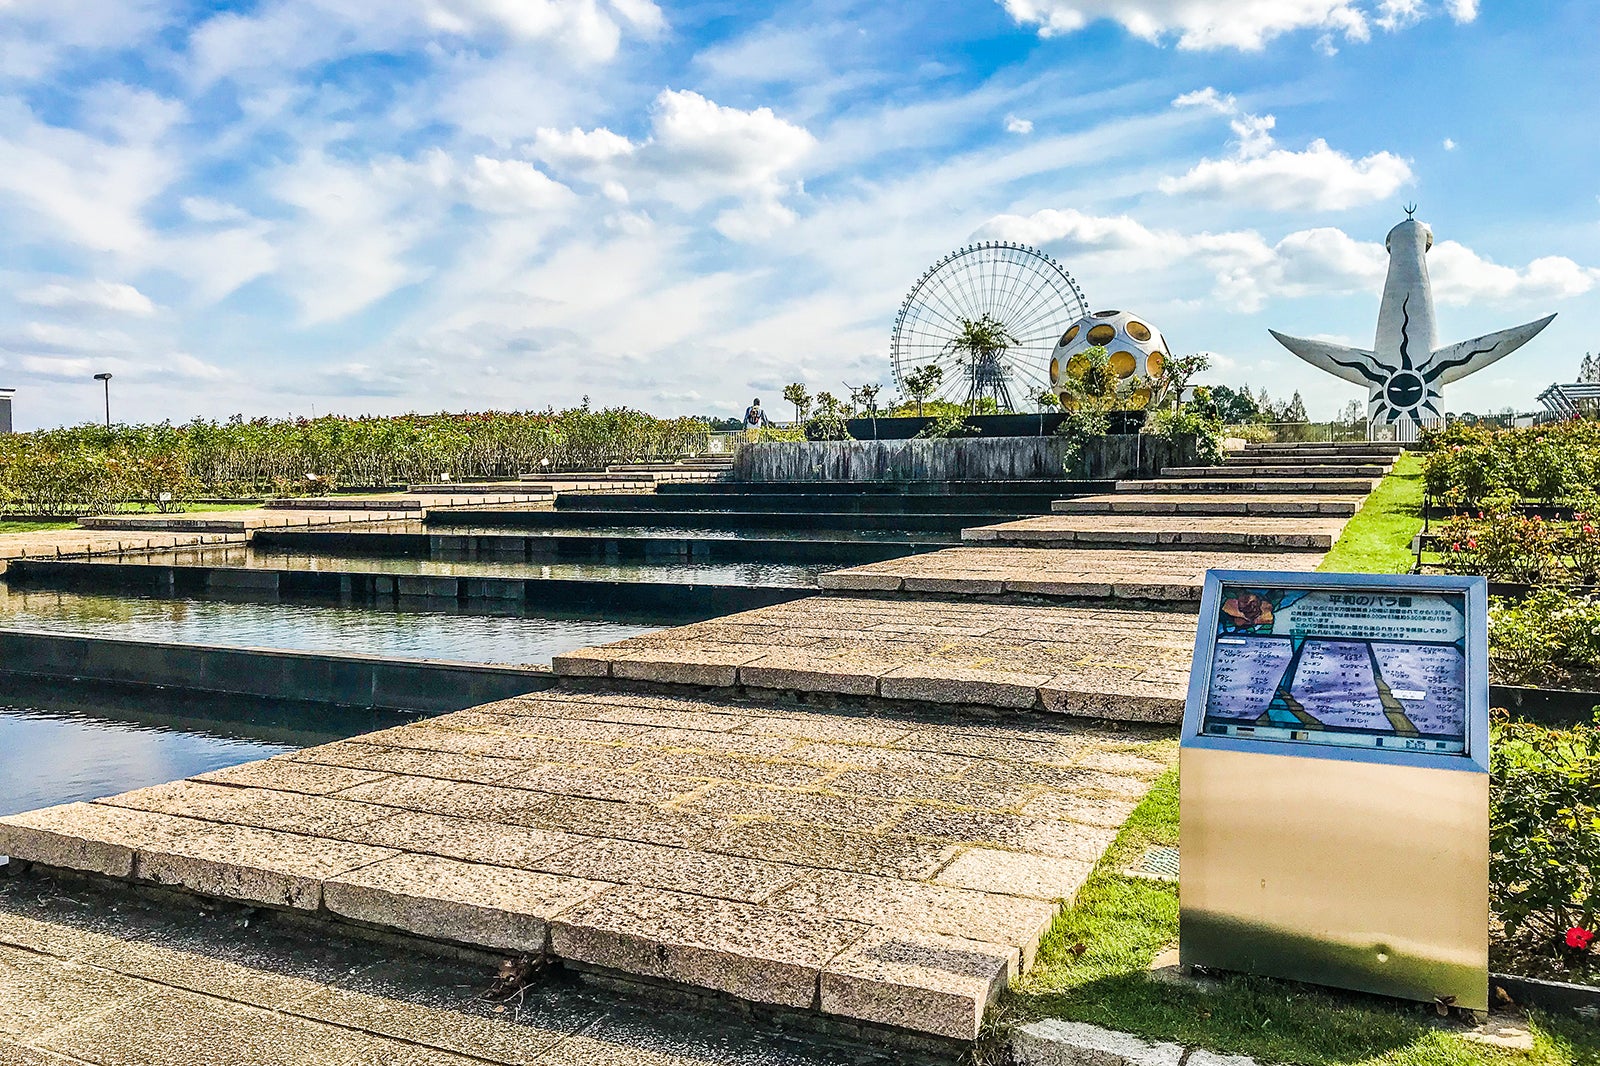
[[92, 295], [289, 35], [1246, 25], [1247, 271], [1018, 125], [580, 146], [1317, 179], [698, 152], [1261, 174], [1461, 276], [92, 190], [754, 221], [1199, 24], [703, 146], [1449, 144], [37, 35], [510, 186]]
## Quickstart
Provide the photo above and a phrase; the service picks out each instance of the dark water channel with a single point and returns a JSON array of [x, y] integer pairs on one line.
[[61, 741], [486, 638], [666, 569]]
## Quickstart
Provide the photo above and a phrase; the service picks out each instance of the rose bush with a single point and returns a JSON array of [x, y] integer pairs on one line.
[[1544, 847], [91, 469]]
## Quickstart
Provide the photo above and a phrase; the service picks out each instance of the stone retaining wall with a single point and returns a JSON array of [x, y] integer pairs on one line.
[[1114, 457], [352, 680]]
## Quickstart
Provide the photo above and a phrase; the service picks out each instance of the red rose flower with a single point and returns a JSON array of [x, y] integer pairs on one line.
[[1579, 938]]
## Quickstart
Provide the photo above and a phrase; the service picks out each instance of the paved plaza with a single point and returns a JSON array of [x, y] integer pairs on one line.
[[864, 807], [883, 867]]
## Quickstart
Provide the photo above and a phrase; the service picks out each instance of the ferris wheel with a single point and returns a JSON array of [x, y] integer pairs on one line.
[[1014, 299]]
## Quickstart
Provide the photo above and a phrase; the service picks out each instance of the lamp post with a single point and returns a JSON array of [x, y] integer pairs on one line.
[[106, 379]]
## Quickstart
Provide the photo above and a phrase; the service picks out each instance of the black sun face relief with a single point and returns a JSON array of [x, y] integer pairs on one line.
[[1405, 390]]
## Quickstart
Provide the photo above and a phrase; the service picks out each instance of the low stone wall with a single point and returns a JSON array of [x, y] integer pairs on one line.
[[351, 680], [1115, 457], [682, 600]]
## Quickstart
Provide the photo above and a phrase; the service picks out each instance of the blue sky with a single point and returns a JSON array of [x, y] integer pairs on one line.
[[292, 206]]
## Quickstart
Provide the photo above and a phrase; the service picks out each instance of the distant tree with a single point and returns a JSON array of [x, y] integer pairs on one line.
[[980, 340], [1176, 374], [1589, 370], [866, 396], [922, 382], [1354, 411], [1234, 407], [1295, 409], [796, 393]]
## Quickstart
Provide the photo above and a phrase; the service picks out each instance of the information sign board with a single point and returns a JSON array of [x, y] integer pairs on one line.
[[1335, 782]]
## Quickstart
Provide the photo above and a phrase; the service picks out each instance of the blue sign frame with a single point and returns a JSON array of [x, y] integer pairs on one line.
[[1475, 648]]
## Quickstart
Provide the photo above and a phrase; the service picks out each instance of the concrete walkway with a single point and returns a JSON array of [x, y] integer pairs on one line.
[[103, 977], [1107, 662], [883, 867], [1086, 572]]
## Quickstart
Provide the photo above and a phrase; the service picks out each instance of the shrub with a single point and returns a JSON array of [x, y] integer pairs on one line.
[[1544, 639], [1544, 840], [1558, 461], [826, 425], [949, 426], [1174, 426], [1078, 425]]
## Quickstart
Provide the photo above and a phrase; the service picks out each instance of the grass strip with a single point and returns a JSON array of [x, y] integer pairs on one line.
[[1378, 539], [25, 526], [1094, 967]]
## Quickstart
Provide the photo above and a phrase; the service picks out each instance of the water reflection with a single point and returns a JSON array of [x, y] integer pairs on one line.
[[513, 638], [490, 564], [61, 741]]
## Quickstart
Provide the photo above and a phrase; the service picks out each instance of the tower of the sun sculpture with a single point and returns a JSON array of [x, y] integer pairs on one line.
[[1404, 373]]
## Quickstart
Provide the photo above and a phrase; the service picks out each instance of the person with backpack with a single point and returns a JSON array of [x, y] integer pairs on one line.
[[754, 419]]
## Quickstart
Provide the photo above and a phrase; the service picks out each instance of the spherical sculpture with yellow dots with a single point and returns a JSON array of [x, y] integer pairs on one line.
[[1133, 344]]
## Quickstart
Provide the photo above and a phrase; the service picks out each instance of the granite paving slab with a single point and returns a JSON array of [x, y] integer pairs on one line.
[[1327, 486], [1058, 574], [792, 841], [91, 975], [1211, 503], [1105, 661], [1229, 532]]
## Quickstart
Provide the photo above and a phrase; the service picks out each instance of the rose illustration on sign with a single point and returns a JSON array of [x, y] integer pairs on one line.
[[1247, 611]]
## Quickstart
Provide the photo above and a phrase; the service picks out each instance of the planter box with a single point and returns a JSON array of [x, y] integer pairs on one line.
[[1040, 425], [1110, 458], [1546, 706]]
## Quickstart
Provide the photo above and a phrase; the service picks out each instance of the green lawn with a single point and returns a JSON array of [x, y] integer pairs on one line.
[[1378, 539], [33, 527], [1093, 968]]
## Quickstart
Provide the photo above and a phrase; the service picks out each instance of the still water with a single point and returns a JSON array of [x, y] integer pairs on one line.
[[667, 569], [61, 742], [518, 639]]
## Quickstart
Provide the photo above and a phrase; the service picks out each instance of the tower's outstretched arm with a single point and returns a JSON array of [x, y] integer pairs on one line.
[[1456, 361], [1353, 364]]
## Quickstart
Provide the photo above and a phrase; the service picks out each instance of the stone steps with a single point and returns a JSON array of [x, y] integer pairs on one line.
[[1130, 664], [1327, 448], [1273, 459], [1232, 470], [1190, 532], [855, 866], [1055, 575], [1221, 503], [1331, 486], [805, 503]]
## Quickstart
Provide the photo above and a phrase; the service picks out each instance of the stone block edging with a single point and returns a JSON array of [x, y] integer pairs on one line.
[[1052, 1042]]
